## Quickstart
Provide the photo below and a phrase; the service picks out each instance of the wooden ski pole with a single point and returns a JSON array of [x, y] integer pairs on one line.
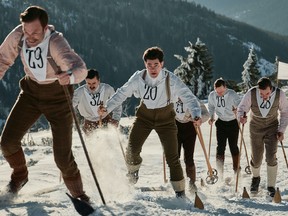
[[212, 179], [121, 146], [164, 168], [69, 100], [284, 153], [100, 121], [241, 141], [237, 174], [247, 169], [100, 117], [210, 138]]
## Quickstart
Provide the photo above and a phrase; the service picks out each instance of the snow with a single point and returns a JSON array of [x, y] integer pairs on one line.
[[44, 194]]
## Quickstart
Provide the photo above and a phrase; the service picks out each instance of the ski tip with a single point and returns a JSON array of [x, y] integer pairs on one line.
[[245, 194], [82, 207], [277, 197], [198, 202]]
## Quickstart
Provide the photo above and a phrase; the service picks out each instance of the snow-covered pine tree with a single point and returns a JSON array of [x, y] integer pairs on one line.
[[251, 73], [273, 76], [196, 70]]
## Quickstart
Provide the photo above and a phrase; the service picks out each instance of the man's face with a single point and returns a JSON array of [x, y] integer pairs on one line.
[[92, 83], [153, 67], [220, 91], [265, 94], [34, 32]]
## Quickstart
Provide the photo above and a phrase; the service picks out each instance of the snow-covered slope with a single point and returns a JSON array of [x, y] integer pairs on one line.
[[44, 194]]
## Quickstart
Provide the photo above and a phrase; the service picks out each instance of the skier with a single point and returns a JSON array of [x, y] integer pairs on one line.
[[88, 97], [264, 101], [223, 102], [157, 89], [42, 92], [187, 137]]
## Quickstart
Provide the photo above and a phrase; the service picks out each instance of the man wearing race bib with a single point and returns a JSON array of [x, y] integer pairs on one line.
[[157, 88], [187, 138], [264, 101], [222, 102], [50, 65], [88, 97]]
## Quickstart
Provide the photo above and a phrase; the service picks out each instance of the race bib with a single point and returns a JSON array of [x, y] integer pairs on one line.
[[265, 105], [36, 57], [94, 100]]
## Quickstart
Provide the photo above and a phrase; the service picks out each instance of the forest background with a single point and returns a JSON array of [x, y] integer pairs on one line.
[[112, 35]]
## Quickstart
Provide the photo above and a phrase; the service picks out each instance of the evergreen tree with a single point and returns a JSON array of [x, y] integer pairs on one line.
[[251, 73], [196, 70], [273, 76]]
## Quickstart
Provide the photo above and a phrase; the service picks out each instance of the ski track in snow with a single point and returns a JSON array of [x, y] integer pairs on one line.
[[44, 194]]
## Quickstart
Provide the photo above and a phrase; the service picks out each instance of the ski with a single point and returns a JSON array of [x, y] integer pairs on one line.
[[150, 189], [82, 207]]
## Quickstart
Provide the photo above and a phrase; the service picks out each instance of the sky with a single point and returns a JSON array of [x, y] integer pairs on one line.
[[44, 194]]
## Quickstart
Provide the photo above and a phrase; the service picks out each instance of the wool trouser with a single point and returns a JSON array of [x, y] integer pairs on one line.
[[227, 130], [162, 120], [263, 134], [34, 100], [186, 139]]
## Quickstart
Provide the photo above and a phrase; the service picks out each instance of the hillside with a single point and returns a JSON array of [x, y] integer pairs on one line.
[[265, 14], [112, 35]]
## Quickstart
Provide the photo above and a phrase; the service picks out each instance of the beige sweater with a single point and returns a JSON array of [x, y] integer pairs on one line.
[[63, 55]]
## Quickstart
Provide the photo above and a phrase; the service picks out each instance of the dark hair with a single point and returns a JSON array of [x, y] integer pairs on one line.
[[219, 82], [153, 53], [33, 13], [93, 73], [264, 82]]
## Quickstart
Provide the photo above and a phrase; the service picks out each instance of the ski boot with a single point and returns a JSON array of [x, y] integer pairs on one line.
[[271, 191], [180, 194], [84, 198], [255, 185], [13, 186], [133, 177], [192, 187]]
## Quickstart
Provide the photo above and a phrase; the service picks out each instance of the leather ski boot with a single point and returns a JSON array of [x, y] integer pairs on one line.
[[133, 177], [75, 186], [180, 194], [271, 179], [179, 188], [255, 185], [191, 173], [19, 176]]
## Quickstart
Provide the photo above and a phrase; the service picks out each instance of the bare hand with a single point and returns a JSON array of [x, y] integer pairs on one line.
[[102, 111], [280, 136], [243, 119], [197, 122], [210, 121], [64, 78], [234, 109]]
